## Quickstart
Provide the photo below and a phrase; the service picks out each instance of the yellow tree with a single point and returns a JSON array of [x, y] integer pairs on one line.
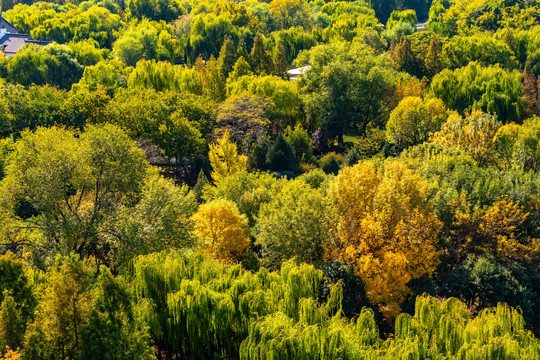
[[473, 134], [497, 230], [224, 158], [221, 229], [385, 228]]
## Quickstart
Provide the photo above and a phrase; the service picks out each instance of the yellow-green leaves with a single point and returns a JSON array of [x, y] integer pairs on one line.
[[224, 158]]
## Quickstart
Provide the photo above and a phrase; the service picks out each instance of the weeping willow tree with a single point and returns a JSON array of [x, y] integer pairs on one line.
[[197, 307], [315, 336], [446, 330], [200, 307]]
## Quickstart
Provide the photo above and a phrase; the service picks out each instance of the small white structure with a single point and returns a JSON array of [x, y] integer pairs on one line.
[[295, 73]]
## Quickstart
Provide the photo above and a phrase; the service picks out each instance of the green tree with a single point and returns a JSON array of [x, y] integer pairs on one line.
[[12, 324], [208, 32], [67, 188], [111, 74], [156, 10], [140, 40], [53, 64], [300, 142], [280, 61], [159, 221], [413, 120], [259, 58], [482, 48], [474, 87], [227, 57], [14, 283], [346, 88], [406, 59], [180, 140], [62, 313], [241, 68], [433, 58], [281, 156], [290, 13], [113, 329], [215, 85], [292, 225], [247, 190]]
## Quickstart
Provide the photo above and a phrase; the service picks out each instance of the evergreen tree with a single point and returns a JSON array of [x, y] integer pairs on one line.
[[11, 324], [433, 57], [227, 57], [530, 90], [62, 313], [280, 61], [241, 68], [406, 59], [202, 180], [113, 331], [215, 87], [510, 40], [200, 66], [241, 49], [281, 157], [259, 58]]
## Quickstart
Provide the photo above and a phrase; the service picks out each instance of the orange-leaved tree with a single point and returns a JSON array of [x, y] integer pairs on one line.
[[385, 228]]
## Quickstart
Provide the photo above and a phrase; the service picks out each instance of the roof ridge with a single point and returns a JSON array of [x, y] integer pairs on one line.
[[3, 18]]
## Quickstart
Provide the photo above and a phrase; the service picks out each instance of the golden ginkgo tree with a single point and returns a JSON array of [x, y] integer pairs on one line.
[[385, 228], [221, 229]]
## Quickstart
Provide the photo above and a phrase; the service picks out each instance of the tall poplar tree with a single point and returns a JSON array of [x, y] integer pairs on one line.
[[530, 89], [433, 59], [259, 58], [227, 57], [280, 61]]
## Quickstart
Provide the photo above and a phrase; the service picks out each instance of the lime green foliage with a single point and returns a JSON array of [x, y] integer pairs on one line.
[[475, 87], [284, 95], [292, 225], [445, 329], [405, 16], [248, 190], [519, 145], [203, 307], [66, 23], [142, 40], [69, 189], [158, 221], [300, 142], [162, 76], [212, 310], [111, 74], [484, 48], [52, 64]]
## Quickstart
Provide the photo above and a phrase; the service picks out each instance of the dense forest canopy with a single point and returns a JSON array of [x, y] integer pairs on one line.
[[284, 179]]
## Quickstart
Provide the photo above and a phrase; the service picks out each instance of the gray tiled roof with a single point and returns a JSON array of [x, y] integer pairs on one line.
[[11, 43]]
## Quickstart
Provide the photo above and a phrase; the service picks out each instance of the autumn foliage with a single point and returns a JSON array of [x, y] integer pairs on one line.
[[385, 228], [221, 229]]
